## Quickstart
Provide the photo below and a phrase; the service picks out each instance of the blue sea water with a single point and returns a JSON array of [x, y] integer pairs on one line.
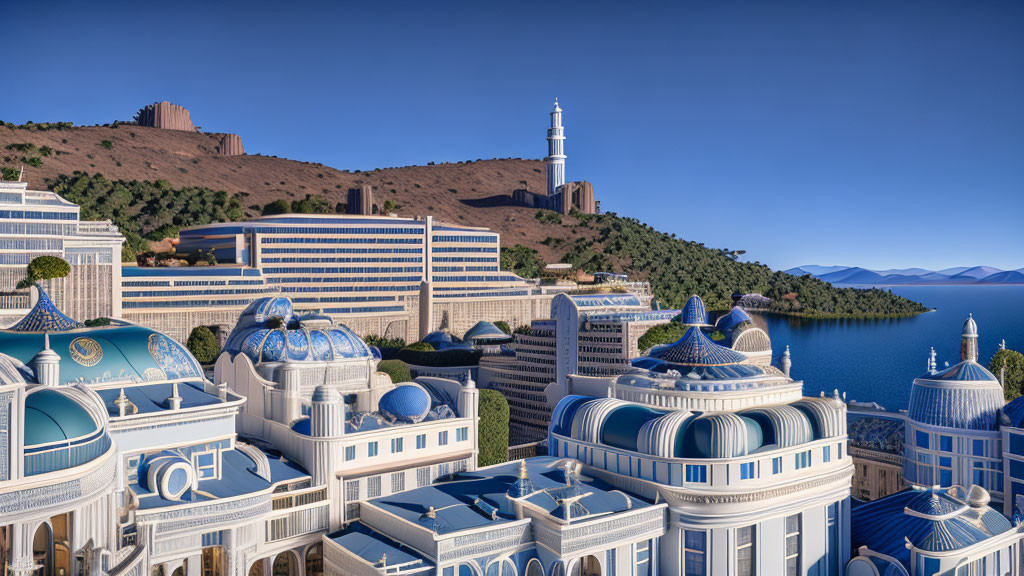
[[877, 360]]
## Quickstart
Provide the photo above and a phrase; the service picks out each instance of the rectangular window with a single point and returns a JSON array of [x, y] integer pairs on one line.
[[826, 453], [462, 434], [832, 538], [745, 551], [371, 449], [397, 482], [351, 499], [442, 438], [922, 439], [373, 487], [946, 443], [421, 441], [643, 553], [396, 445], [979, 447], [206, 465], [1017, 469], [777, 465], [803, 459], [350, 453], [747, 471], [694, 549], [422, 476], [696, 473], [793, 545]]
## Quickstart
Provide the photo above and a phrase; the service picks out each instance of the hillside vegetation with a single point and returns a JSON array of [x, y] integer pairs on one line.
[[151, 182]]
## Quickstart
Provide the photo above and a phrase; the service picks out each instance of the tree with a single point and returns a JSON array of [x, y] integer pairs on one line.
[[396, 369], [45, 268], [503, 326], [1013, 377], [203, 344], [492, 428], [661, 334], [276, 207], [521, 260]]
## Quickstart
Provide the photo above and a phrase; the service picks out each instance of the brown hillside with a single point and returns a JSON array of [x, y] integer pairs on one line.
[[471, 193]]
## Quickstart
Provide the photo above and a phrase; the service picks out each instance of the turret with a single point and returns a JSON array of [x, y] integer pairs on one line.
[[556, 151], [47, 365], [969, 340], [786, 362], [327, 417]]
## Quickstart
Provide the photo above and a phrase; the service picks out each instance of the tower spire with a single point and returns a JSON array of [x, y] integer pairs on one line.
[[556, 151]]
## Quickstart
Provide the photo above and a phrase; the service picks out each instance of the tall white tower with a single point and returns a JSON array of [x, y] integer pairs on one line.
[[556, 151]]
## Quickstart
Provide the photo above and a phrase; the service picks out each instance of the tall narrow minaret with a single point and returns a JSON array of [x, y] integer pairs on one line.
[[556, 151], [969, 340]]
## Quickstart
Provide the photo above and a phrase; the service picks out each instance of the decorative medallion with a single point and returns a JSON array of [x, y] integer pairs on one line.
[[86, 351]]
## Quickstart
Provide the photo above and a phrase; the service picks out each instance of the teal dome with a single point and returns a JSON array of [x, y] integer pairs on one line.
[[120, 352], [51, 416]]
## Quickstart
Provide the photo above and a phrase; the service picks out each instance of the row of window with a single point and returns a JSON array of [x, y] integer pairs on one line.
[[312, 250], [398, 444]]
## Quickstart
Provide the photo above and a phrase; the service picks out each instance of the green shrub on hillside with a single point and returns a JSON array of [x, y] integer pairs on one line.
[[521, 260], [678, 268], [147, 209], [661, 334], [396, 369], [492, 428]]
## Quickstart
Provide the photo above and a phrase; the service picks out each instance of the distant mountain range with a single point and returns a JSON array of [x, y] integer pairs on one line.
[[854, 275]]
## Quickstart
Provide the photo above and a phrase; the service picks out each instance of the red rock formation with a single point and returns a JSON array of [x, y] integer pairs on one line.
[[230, 145], [165, 115]]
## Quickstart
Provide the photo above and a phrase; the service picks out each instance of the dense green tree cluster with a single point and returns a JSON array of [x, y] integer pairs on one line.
[[146, 210], [678, 268], [521, 260], [382, 342], [203, 344], [1009, 365], [45, 268], [492, 428], [503, 326], [309, 205], [661, 334]]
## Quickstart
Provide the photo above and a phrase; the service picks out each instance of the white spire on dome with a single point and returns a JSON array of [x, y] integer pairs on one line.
[[932, 365], [556, 151], [969, 340], [46, 364], [970, 326], [787, 362]]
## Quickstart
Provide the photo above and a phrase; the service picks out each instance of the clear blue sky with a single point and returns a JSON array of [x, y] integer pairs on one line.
[[879, 134]]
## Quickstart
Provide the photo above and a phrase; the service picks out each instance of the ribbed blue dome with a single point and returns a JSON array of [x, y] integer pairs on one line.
[[734, 318], [696, 349], [407, 403], [694, 312], [50, 416], [964, 396], [281, 344], [45, 317]]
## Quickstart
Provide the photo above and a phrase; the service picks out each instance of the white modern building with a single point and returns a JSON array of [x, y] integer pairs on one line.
[[39, 223]]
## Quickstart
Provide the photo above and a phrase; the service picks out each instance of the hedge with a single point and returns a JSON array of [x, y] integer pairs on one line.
[[398, 370], [492, 428], [203, 344]]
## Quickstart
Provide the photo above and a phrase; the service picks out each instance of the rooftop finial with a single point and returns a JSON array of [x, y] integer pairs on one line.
[[1002, 344], [932, 365]]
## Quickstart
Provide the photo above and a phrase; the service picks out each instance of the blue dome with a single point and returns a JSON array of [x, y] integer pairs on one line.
[[440, 339], [301, 344], [51, 416], [267, 308], [696, 349], [965, 396], [484, 332], [408, 403], [694, 312], [734, 318]]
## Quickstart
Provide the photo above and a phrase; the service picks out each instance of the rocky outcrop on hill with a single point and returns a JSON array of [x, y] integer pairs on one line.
[[230, 145], [165, 115]]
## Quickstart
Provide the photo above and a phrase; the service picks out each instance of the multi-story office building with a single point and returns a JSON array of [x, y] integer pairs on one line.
[[389, 276], [39, 223], [175, 300], [587, 334]]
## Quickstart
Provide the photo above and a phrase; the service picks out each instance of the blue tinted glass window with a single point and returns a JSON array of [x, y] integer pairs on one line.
[[696, 473], [945, 477], [979, 447], [922, 439], [1017, 469], [371, 449], [746, 470], [777, 465], [350, 453], [826, 454], [946, 443], [421, 441], [1017, 444]]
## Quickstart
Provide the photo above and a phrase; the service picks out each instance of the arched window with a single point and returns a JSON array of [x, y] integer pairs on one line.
[[587, 566], [533, 568], [315, 560], [157, 570], [256, 569], [467, 570], [213, 561], [503, 567], [284, 565], [42, 550]]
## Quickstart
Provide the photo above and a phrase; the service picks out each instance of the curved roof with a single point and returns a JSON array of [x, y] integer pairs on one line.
[[407, 403], [696, 349], [51, 416], [694, 312], [970, 326], [45, 317], [965, 396], [484, 332], [934, 520], [1013, 413], [440, 339], [117, 353], [734, 318], [751, 339], [299, 344], [621, 425]]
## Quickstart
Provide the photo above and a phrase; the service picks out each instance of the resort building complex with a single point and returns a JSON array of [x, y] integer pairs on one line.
[[38, 223]]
